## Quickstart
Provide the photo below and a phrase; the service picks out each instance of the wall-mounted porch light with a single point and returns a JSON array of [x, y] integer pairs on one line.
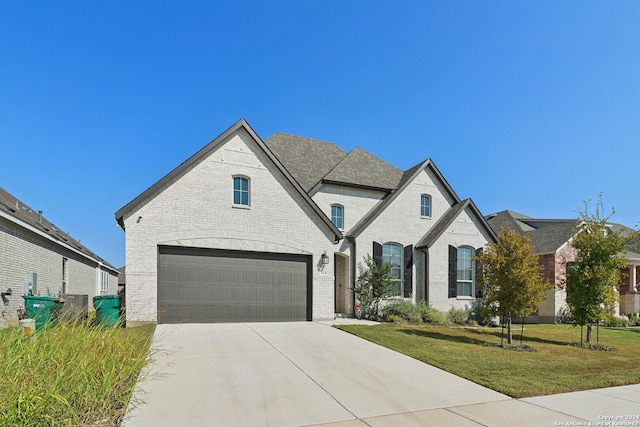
[[325, 258]]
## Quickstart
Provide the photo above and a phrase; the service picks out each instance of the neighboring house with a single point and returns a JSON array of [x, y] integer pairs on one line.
[[32, 249], [253, 230], [551, 239]]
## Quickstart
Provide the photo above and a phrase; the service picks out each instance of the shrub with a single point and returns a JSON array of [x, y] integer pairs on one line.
[[374, 284], [401, 309], [458, 316], [413, 313], [435, 317]]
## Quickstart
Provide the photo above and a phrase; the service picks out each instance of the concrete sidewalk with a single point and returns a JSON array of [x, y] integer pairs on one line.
[[307, 373]]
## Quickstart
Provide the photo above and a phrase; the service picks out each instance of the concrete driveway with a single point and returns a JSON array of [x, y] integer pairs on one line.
[[297, 374]]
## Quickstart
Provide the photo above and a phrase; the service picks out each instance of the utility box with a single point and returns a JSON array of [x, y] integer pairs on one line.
[[31, 287], [76, 306]]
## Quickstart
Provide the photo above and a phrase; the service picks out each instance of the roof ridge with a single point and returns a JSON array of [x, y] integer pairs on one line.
[[24, 213], [306, 138]]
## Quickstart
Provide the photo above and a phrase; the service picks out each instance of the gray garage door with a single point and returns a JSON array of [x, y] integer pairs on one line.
[[200, 285]]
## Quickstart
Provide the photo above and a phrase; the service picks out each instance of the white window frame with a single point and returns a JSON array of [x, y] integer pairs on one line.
[[104, 282], [65, 275]]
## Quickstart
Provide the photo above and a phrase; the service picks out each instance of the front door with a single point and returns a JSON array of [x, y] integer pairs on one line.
[[342, 291]]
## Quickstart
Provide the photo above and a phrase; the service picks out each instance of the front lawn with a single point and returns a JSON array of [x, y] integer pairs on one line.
[[556, 366], [70, 375]]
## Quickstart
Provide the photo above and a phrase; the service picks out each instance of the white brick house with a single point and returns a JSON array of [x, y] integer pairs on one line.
[[248, 229], [29, 244]]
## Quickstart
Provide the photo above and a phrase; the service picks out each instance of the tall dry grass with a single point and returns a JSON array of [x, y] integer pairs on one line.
[[73, 374]]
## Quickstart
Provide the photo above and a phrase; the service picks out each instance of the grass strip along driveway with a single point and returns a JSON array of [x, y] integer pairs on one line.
[[70, 375], [557, 364]]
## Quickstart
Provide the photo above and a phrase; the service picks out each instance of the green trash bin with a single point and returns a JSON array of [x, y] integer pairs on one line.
[[107, 309], [42, 309]]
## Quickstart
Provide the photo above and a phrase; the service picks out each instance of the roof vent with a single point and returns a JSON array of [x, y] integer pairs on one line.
[[40, 217]]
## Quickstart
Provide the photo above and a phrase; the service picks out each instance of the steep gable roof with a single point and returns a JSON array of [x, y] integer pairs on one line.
[[308, 160], [17, 212], [511, 220], [203, 153], [311, 162], [407, 177], [447, 219]]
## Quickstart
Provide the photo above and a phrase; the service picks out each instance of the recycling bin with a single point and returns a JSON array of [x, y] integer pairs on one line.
[[43, 309], [107, 309]]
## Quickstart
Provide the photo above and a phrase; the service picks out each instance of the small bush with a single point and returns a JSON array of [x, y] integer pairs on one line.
[[635, 320], [619, 322], [413, 313], [458, 316], [435, 317]]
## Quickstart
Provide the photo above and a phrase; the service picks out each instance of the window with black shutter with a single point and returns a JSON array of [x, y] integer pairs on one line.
[[453, 271], [408, 270]]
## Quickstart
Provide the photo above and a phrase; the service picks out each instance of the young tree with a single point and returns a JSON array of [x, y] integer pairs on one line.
[[373, 285], [592, 279], [512, 279]]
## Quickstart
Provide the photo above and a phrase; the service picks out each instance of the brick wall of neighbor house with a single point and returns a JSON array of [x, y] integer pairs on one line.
[[629, 299], [22, 252], [196, 209], [546, 312], [555, 270]]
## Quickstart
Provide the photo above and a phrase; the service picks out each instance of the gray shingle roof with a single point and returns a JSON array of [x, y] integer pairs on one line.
[[509, 219], [307, 160], [550, 238], [17, 210], [546, 235], [364, 169]]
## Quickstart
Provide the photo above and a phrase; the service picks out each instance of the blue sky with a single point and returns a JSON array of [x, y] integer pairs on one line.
[[532, 106]]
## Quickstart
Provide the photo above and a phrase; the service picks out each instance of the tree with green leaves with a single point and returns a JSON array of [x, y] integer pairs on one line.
[[592, 279], [512, 280], [374, 284]]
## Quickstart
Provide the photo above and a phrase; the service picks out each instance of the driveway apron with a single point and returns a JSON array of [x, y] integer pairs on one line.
[[291, 374]]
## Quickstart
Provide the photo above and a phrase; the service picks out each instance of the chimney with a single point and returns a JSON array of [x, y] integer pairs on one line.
[[40, 217]]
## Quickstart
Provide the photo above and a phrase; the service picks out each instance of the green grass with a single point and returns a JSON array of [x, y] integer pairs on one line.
[[70, 375], [556, 366]]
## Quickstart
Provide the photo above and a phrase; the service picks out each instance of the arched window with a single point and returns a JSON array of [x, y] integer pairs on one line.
[[392, 253], [465, 272], [337, 215], [241, 191], [425, 206]]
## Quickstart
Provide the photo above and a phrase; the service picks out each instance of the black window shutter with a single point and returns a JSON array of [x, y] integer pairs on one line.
[[408, 270], [377, 253], [453, 271], [478, 292], [426, 275]]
